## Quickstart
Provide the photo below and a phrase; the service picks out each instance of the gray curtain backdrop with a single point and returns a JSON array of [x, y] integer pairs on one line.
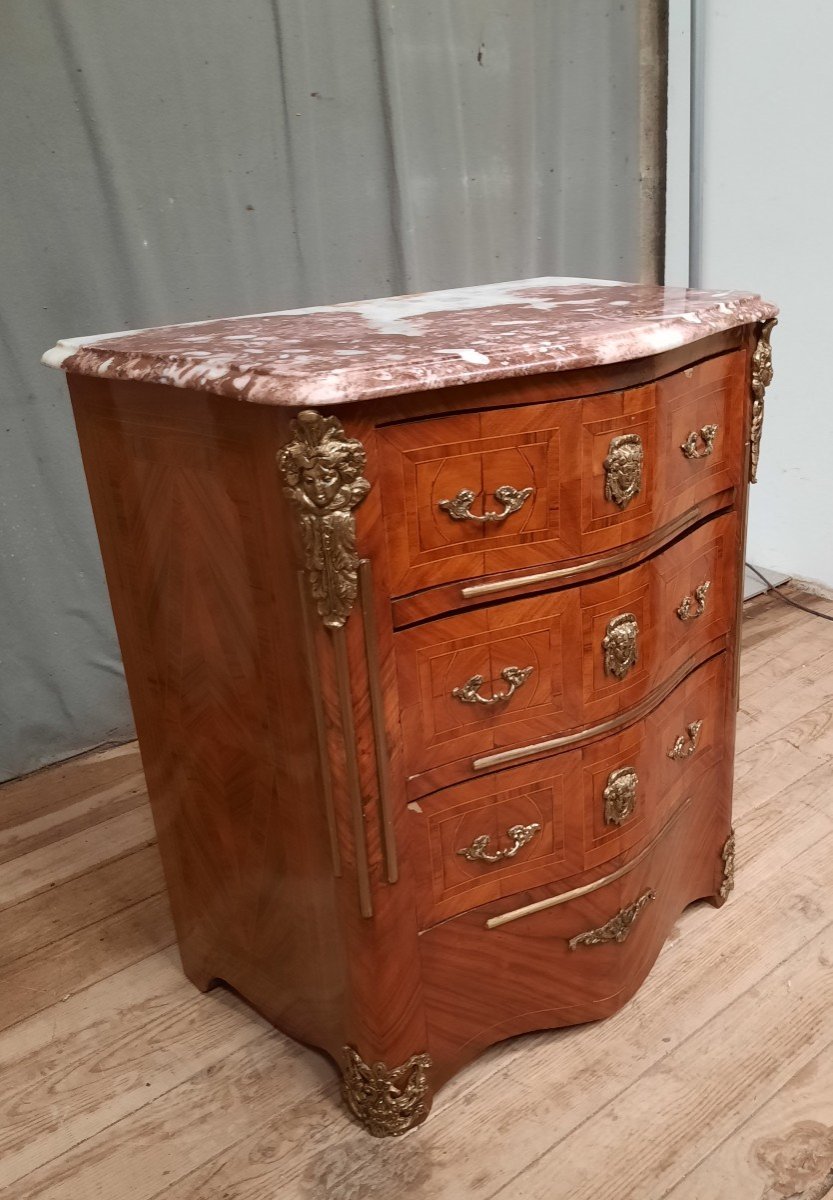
[[168, 161]]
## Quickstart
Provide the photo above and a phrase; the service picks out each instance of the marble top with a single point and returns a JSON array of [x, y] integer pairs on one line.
[[341, 353]]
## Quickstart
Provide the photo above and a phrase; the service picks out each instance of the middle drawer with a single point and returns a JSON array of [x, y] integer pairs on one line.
[[573, 812], [499, 679]]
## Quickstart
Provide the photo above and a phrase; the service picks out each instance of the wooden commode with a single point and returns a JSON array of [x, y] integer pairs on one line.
[[429, 614]]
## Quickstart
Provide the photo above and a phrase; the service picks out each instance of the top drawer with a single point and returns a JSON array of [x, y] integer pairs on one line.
[[471, 494]]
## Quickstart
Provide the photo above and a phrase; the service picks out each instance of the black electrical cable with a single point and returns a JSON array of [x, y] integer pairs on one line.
[[770, 587]]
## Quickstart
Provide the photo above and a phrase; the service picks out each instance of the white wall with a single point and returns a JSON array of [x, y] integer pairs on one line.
[[762, 219]]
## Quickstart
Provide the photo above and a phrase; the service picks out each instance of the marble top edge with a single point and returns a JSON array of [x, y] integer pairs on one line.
[[92, 339], [342, 353]]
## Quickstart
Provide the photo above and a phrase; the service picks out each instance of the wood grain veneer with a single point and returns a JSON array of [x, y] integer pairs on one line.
[[557, 451], [311, 775], [565, 797], [559, 636], [112, 1048], [535, 980]]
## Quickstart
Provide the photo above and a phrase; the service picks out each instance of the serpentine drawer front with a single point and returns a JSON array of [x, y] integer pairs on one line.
[[577, 478], [571, 811], [429, 615], [587, 654]]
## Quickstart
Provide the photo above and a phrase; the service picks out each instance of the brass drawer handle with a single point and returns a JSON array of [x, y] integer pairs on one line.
[[686, 743], [623, 469], [515, 676], [618, 927], [620, 795], [478, 850], [694, 606], [707, 435], [511, 499], [620, 645]]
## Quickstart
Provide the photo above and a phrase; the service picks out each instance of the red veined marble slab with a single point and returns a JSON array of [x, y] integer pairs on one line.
[[340, 353]]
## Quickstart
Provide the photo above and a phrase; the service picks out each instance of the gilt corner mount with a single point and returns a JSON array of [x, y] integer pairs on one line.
[[322, 468], [761, 379], [386, 1101]]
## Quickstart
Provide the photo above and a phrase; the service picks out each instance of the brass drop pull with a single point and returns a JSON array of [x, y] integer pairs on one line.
[[468, 693], [478, 851], [686, 743], [618, 927], [459, 509], [694, 606], [706, 435]]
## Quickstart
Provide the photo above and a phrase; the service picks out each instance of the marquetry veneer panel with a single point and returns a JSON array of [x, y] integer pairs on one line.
[[557, 451], [564, 795], [560, 636]]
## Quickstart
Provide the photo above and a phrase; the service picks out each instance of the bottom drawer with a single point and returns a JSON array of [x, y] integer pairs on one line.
[[486, 977]]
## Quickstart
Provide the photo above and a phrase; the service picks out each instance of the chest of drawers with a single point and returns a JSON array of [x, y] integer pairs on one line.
[[429, 615]]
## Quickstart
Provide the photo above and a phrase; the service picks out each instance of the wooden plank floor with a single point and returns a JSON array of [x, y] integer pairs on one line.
[[121, 1082]]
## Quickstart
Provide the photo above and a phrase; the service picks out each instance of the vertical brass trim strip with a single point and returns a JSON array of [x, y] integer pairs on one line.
[[371, 647], [354, 790], [320, 727]]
